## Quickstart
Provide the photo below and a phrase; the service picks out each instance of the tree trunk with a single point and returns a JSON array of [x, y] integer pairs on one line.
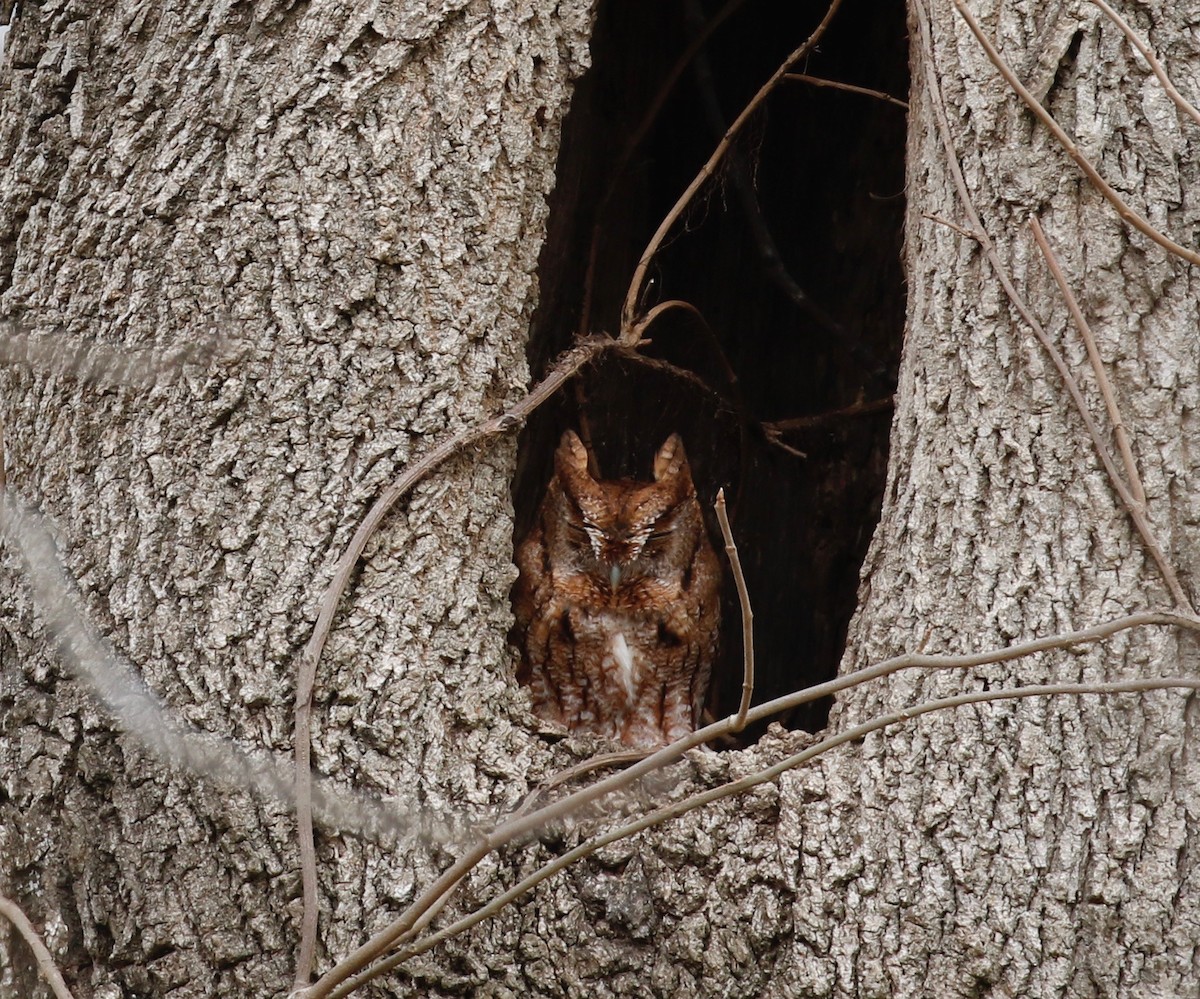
[[1037, 847], [355, 202], [354, 198]]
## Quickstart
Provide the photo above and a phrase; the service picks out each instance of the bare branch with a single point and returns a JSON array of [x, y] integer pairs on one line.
[[817, 81], [1136, 513], [639, 329], [582, 769], [952, 225], [628, 312], [1155, 66], [832, 416], [1085, 331], [41, 953], [1123, 210], [739, 579]]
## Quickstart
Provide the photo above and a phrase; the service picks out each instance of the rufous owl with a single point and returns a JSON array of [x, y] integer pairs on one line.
[[618, 601]]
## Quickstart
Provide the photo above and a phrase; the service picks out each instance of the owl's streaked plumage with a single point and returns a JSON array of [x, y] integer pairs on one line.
[[618, 601]]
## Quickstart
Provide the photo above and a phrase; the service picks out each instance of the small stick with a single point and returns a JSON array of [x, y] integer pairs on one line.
[[517, 826], [1085, 331], [639, 329], [589, 765], [952, 225], [818, 81], [1123, 210], [832, 416], [41, 953], [739, 579], [1181, 102]]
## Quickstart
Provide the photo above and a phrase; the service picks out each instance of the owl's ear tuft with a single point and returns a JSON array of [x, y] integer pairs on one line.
[[571, 456], [671, 461]]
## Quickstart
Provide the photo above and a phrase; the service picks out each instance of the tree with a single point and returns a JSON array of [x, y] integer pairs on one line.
[[265, 262]]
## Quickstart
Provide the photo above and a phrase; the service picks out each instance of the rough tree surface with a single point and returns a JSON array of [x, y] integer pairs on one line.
[[358, 199], [355, 195]]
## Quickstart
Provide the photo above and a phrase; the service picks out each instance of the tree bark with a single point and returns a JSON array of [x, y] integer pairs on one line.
[[1037, 847], [357, 200], [354, 197]]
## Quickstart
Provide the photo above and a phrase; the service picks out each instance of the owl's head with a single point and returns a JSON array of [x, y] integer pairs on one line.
[[622, 529]]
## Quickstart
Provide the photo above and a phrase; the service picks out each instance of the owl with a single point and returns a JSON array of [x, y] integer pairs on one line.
[[618, 601]]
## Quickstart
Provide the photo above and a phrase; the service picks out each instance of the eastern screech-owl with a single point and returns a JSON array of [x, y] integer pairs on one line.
[[618, 602]]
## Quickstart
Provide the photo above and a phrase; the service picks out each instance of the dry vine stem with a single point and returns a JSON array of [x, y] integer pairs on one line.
[[818, 81], [741, 786], [1085, 331], [1134, 509], [563, 369], [402, 928], [629, 323], [1155, 66], [1110, 194], [41, 953]]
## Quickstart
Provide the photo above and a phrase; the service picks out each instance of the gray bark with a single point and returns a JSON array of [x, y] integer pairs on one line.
[[355, 197], [361, 202], [1039, 847]]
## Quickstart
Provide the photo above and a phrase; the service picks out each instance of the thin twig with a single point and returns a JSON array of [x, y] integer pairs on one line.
[[41, 953], [1181, 102], [631, 147], [1085, 331], [739, 579], [817, 420], [951, 225], [818, 81], [629, 325], [518, 826], [1136, 513], [582, 769], [639, 330], [741, 786], [663, 366], [1106, 189], [564, 368], [774, 431]]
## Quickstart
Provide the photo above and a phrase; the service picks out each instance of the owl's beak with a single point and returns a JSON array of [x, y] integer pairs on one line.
[[614, 576]]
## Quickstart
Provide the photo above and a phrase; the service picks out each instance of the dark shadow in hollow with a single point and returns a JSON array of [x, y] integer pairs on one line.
[[792, 254]]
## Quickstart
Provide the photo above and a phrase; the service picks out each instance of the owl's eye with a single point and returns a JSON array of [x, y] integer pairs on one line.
[[660, 535], [577, 532]]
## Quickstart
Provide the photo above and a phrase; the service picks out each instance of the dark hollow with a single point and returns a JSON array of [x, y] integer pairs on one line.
[[791, 253]]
